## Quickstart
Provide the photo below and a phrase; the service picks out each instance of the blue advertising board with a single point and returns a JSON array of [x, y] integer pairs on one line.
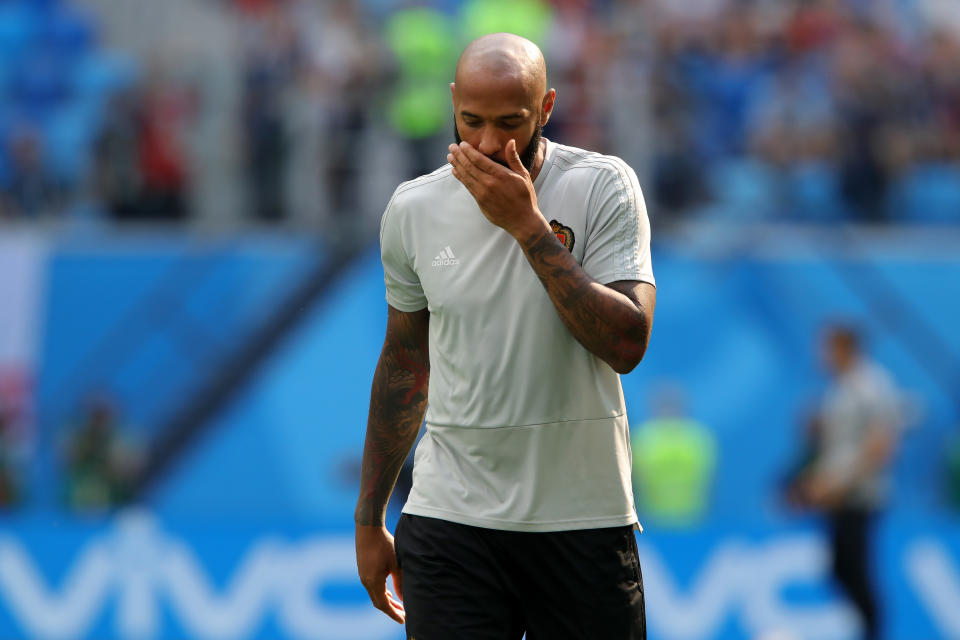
[[136, 576]]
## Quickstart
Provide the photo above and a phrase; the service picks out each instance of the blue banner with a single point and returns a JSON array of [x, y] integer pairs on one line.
[[137, 577]]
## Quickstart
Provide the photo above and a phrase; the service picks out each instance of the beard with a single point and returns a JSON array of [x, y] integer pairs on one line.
[[527, 156]]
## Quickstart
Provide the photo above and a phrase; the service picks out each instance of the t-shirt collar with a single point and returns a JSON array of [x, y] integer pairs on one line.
[[547, 164]]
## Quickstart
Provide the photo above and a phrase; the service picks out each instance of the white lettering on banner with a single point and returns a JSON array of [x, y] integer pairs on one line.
[[139, 551], [143, 571], [240, 606], [793, 561], [746, 582], [712, 595], [142, 567], [45, 614], [933, 575]]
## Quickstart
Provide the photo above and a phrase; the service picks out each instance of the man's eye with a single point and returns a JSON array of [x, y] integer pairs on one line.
[[509, 125], [472, 123]]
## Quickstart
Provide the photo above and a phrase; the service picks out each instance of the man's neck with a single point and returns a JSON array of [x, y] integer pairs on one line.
[[538, 159]]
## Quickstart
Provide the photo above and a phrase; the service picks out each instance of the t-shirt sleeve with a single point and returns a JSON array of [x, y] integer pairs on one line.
[[404, 291], [880, 401], [618, 230]]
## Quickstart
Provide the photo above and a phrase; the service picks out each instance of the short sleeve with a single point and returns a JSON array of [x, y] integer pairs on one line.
[[618, 230], [404, 291], [880, 400]]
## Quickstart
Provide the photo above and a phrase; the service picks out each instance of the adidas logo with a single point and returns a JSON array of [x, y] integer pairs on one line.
[[445, 259]]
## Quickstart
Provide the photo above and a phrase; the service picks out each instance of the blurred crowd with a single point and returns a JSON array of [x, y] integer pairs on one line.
[[803, 110], [810, 110], [98, 454]]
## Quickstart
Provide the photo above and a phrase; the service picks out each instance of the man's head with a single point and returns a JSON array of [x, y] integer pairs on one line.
[[500, 93], [841, 348]]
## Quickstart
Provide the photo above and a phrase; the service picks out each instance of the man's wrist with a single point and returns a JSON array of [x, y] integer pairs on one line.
[[367, 516], [531, 233]]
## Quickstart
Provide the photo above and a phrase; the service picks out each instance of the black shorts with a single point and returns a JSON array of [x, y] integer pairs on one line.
[[470, 583]]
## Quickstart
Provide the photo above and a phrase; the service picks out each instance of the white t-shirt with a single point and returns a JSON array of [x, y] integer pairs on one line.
[[526, 430], [862, 399]]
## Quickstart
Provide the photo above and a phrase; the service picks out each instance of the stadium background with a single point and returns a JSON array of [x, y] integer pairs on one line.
[[189, 199]]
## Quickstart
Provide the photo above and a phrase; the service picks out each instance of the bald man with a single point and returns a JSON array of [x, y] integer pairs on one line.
[[519, 285]]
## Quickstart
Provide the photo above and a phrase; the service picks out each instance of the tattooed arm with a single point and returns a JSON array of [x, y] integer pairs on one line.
[[398, 399], [612, 321]]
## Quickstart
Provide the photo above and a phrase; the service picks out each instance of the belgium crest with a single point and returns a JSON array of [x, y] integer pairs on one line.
[[564, 234]]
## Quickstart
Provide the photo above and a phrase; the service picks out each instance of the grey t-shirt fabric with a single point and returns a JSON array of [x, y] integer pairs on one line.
[[860, 400], [526, 430]]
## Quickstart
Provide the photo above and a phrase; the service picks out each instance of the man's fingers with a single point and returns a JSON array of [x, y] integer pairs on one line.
[[464, 167], [467, 181], [376, 559], [467, 174], [513, 158], [480, 161], [385, 601], [395, 608], [395, 602]]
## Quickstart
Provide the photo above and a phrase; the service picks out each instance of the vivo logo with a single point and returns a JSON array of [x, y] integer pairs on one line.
[[138, 568], [143, 577], [746, 582]]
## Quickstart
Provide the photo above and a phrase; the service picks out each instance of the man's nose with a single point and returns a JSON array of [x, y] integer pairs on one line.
[[489, 142]]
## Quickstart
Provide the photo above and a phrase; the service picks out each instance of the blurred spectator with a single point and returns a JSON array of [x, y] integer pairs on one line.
[[166, 107], [345, 61], [254, 6], [867, 95], [674, 458], [272, 58], [424, 48], [101, 461], [117, 177], [579, 59], [804, 110], [853, 438], [29, 189], [11, 459], [141, 169], [855, 105], [527, 18]]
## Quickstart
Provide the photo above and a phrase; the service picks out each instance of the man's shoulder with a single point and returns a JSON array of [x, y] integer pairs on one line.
[[425, 189], [414, 198], [591, 164], [872, 376]]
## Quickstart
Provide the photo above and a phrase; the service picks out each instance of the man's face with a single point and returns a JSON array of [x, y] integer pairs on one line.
[[489, 111], [838, 353], [527, 156]]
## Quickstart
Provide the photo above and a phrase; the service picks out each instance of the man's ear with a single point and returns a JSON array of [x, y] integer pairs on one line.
[[452, 90], [547, 106]]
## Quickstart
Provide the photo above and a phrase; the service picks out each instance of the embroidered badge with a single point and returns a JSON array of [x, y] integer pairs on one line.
[[564, 234]]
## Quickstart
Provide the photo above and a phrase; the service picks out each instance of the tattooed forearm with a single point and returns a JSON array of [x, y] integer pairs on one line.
[[398, 399], [606, 320]]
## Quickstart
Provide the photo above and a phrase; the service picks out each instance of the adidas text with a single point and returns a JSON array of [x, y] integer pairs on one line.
[[445, 259]]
